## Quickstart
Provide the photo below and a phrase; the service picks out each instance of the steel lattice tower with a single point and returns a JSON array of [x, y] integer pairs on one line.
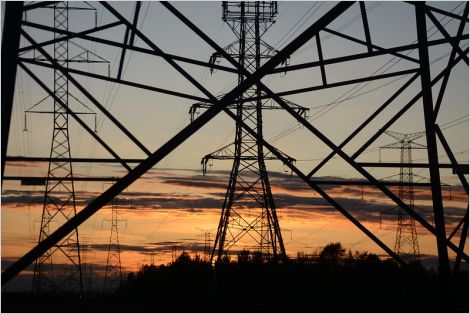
[[422, 84], [406, 242], [59, 198], [249, 186], [113, 273], [246, 20]]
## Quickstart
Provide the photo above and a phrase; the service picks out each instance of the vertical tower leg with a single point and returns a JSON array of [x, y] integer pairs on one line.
[[444, 268], [10, 45]]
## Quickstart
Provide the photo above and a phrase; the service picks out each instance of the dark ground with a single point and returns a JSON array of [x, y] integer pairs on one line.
[[359, 283]]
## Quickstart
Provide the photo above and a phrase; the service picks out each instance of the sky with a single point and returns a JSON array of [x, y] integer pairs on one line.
[[174, 205]]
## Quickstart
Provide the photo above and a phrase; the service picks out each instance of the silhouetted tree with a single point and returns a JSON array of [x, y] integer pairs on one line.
[[184, 258], [243, 257], [332, 253], [257, 257]]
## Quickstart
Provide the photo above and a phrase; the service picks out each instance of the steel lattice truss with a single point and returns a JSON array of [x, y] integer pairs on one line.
[[15, 28]]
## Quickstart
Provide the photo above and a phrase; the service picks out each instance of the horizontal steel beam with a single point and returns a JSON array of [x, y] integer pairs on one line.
[[460, 167], [366, 183], [460, 170], [39, 180], [73, 159], [319, 182]]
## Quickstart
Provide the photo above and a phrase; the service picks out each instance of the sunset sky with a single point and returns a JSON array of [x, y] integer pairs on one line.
[[174, 205]]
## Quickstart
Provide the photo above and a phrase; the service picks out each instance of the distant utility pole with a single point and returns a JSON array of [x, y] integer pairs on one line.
[[113, 273], [406, 242], [207, 245], [173, 253], [85, 266], [249, 188]]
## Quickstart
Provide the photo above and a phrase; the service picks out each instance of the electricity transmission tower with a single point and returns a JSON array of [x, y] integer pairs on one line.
[[421, 84], [113, 272], [249, 186], [406, 242], [59, 198]]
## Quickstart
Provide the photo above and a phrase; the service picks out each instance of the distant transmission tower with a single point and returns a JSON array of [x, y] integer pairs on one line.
[[406, 242], [248, 212], [207, 243], [59, 198], [113, 272]]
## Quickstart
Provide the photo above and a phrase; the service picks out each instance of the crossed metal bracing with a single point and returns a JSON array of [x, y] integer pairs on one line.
[[14, 28]]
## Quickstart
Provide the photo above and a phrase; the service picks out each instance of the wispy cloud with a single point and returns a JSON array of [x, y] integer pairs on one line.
[[365, 203], [188, 245]]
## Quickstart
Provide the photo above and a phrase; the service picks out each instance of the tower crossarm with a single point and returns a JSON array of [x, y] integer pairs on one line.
[[83, 55], [265, 11], [268, 104], [398, 145], [408, 137], [266, 52], [227, 152]]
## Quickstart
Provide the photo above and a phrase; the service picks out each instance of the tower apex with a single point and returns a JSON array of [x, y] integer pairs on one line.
[[246, 11]]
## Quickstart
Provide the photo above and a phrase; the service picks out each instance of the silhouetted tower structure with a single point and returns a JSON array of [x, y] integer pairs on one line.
[[248, 210], [59, 198], [113, 272], [406, 242], [207, 243]]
